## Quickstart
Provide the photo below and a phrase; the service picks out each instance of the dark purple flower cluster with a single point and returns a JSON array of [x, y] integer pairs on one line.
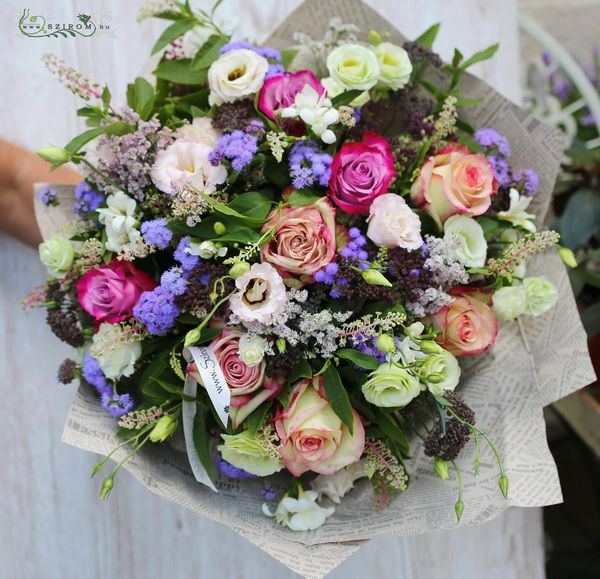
[[87, 200], [238, 147], [231, 471], [330, 275], [355, 249], [308, 165]]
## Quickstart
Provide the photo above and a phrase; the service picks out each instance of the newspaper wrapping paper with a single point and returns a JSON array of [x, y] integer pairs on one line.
[[532, 364]]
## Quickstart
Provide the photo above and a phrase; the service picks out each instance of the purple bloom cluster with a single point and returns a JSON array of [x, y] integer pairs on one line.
[[48, 196], [116, 405], [274, 70], [329, 275], [238, 147], [86, 200], [231, 471], [366, 344], [355, 249], [267, 492], [156, 310], [157, 233], [187, 260], [490, 140], [174, 281], [530, 181], [264, 51], [308, 165]]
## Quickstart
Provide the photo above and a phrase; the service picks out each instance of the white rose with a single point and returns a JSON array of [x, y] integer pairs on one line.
[[206, 249], [541, 295], [251, 350], [57, 254], [473, 246], [353, 66], [115, 357], [185, 164], [392, 223], [394, 65], [334, 89], [235, 75], [119, 222], [440, 372], [509, 302], [200, 130]]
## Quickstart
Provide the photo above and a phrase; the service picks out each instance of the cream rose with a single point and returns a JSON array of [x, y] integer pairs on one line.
[[509, 302], [392, 223], [57, 254], [395, 67], [353, 66], [391, 386], [473, 246], [235, 75]]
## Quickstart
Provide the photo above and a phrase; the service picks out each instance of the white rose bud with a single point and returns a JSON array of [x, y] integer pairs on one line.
[[57, 254], [541, 295], [235, 75], [251, 350], [353, 67], [509, 302], [473, 246], [394, 65]]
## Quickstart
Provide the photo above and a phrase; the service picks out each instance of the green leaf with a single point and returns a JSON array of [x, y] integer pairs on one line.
[[581, 219], [201, 438], [144, 97], [577, 279], [301, 370], [303, 197], [359, 358], [176, 389], [390, 427], [345, 98], [83, 139], [253, 204], [172, 32], [106, 97], [159, 363], [118, 129], [491, 227], [208, 52], [338, 397], [180, 72], [255, 419], [240, 235], [480, 56], [428, 37], [287, 57], [224, 209], [457, 58]]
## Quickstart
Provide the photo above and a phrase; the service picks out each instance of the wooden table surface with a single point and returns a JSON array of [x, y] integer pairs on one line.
[[52, 525]]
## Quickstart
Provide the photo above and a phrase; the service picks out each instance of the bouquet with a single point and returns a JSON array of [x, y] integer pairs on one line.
[[283, 265]]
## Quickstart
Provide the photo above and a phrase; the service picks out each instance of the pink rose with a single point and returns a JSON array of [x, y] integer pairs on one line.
[[360, 172], [279, 92], [109, 293], [468, 325], [312, 435], [303, 240], [392, 223], [455, 180]]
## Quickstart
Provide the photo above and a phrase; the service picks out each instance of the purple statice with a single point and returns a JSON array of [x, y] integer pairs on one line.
[[354, 250], [308, 165], [238, 147], [117, 405], [231, 471], [529, 181], [501, 169], [184, 257], [174, 281], [264, 51], [366, 344], [330, 275], [48, 196], [268, 492], [128, 159], [86, 199], [92, 374], [274, 70], [157, 310], [157, 233], [493, 142]]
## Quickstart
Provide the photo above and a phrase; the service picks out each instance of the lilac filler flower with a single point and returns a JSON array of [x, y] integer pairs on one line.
[[92, 374], [492, 141], [48, 196], [86, 199], [274, 70], [156, 310], [530, 180], [308, 165], [354, 250], [117, 405], [501, 169], [264, 51], [174, 281], [187, 260], [237, 147], [157, 233]]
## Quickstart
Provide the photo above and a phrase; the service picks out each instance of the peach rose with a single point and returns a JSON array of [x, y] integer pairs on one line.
[[312, 435], [455, 180], [468, 325], [303, 240]]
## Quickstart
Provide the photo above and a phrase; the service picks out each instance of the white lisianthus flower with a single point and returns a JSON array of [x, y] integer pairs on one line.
[[516, 213], [541, 295], [248, 453], [392, 223], [235, 75], [473, 246], [200, 130], [116, 357], [391, 386], [206, 249], [251, 349], [185, 164], [353, 66], [316, 111], [57, 254], [440, 372], [395, 67], [509, 302], [301, 514], [334, 89], [119, 222]]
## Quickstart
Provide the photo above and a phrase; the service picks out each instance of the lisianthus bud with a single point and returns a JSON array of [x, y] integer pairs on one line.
[[459, 507], [385, 343], [441, 468], [374, 37], [374, 277], [219, 228], [165, 426], [503, 484], [54, 155], [430, 347], [239, 269], [435, 378], [281, 345], [107, 485], [567, 256]]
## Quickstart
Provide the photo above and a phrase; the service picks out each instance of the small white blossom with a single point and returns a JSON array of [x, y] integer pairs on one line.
[[119, 222], [206, 249], [517, 214], [301, 514]]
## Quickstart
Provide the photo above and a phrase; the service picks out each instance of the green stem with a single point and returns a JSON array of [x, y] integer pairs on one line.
[[100, 173]]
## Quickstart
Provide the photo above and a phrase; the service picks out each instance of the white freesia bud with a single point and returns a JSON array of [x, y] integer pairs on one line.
[[206, 249], [119, 222], [541, 295], [517, 212], [301, 514], [57, 254], [336, 486], [509, 302], [473, 246]]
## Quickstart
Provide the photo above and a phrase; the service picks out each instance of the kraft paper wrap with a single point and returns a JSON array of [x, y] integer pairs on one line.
[[533, 363]]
